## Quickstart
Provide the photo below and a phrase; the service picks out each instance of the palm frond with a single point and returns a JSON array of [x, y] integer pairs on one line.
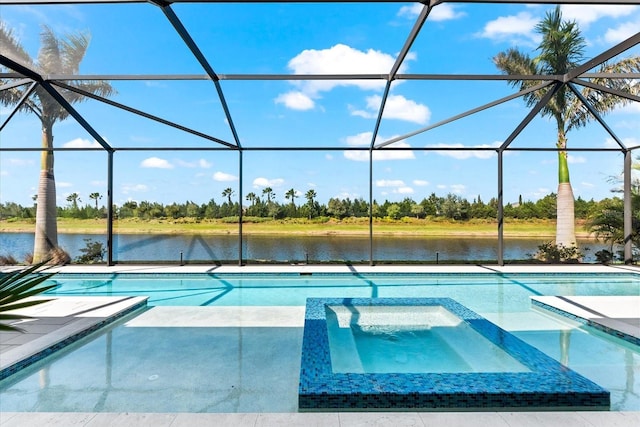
[[601, 101], [11, 47], [49, 57], [73, 50], [18, 285]]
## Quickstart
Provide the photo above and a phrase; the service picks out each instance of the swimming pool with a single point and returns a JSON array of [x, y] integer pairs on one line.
[[169, 359]]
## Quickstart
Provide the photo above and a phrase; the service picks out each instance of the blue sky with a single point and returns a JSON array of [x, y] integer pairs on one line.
[[306, 39]]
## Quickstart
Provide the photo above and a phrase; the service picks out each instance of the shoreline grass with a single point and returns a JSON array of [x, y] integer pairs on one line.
[[409, 227]]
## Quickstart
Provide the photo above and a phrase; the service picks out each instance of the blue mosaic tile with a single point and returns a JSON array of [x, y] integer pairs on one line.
[[548, 384]]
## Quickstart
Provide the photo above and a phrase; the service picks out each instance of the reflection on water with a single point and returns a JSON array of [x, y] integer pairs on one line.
[[172, 248]]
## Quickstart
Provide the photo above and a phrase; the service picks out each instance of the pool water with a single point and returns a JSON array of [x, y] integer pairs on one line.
[[397, 339], [163, 367]]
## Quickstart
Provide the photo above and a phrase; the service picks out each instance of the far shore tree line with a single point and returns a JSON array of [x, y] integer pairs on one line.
[[451, 207]]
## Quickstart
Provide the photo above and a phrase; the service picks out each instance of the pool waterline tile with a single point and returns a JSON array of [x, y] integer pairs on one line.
[[549, 385]]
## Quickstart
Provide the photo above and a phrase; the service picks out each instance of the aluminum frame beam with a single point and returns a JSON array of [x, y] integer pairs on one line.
[[550, 2]]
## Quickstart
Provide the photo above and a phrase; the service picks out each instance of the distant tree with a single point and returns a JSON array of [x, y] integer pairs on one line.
[[417, 210], [311, 195], [228, 193], [73, 199], [96, 197], [336, 208], [268, 192], [394, 211], [291, 194], [252, 198]]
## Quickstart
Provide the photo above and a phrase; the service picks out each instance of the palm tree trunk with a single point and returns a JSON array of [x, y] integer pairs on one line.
[[565, 216], [46, 235]]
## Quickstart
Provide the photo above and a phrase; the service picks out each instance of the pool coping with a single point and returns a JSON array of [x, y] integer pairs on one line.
[[594, 311], [549, 385], [343, 268]]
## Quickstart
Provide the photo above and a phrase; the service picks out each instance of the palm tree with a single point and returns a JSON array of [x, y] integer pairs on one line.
[[561, 50], [268, 191], [56, 56], [291, 194], [311, 195], [96, 197], [74, 198], [252, 198], [228, 192]]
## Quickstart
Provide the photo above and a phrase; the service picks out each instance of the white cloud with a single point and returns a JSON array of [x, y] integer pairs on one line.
[[4, 173], [586, 14], [134, 188], [338, 59], [156, 162], [200, 163], [441, 12], [466, 154], [295, 100], [63, 184], [360, 140], [420, 182], [518, 27], [587, 184], [458, 188], [265, 182], [389, 183], [224, 177], [621, 33], [445, 12], [342, 59], [396, 107], [388, 153], [81, 143], [411, 11], [575, 159], [404, 190]]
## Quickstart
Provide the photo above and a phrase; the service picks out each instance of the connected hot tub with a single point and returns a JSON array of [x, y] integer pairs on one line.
[[427, 354]]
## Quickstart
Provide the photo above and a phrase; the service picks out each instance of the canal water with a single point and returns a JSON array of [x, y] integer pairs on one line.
[[224, 248]]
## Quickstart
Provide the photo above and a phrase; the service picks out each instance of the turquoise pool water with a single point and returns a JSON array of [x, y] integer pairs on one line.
[[160, 368], [480, 292], [425, 339]]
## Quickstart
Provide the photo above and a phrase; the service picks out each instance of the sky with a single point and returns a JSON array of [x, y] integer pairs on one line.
[[333, 115]]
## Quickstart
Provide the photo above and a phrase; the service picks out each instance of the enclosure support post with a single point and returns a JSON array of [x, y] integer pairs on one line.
[[240, 173], [500, 210], [110, 208], [628, 226], [370, 207]]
